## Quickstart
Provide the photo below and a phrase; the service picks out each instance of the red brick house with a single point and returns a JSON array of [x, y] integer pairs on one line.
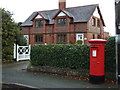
[[64, 25]]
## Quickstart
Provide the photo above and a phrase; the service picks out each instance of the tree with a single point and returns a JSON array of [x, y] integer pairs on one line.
[[20, 40], [9, 30], [11, 34]]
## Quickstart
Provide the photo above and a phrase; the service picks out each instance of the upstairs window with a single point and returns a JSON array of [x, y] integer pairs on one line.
[[38, 23], [93, 21], [98, 23], [98, 36], [39, 38], [93, 36], [61, 21]]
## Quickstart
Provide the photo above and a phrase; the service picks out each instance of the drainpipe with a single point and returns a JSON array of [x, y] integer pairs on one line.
[[53, 34], [29, 36], [74, 33]]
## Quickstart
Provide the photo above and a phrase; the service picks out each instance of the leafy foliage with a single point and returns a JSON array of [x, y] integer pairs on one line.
[[110, 56], [73, 57], [10, 32], [63, 56], [8, 35], [79, 41], [20, 40]]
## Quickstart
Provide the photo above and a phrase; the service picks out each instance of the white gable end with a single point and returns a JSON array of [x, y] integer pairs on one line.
[[61, 14], [96, 13], [38, 16]]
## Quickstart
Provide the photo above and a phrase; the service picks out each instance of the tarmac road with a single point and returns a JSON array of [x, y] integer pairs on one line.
[[16, 74]]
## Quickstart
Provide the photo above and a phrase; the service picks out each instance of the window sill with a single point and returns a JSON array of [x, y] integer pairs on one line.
[[38, 27], [39, 42]]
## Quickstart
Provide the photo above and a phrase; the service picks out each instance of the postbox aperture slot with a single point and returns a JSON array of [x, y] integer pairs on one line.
[[94, 47]]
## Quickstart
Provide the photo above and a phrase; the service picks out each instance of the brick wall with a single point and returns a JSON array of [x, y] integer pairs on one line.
[[106, 35], [93, 29], [26, 30], [50, 32]]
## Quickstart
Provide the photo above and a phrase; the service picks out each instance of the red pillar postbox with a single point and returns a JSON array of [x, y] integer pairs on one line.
[[97, 53]]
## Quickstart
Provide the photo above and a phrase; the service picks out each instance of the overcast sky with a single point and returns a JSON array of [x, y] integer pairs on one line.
[[22, 9]]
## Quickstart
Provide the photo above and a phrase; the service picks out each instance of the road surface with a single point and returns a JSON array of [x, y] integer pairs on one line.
[[16, 74]]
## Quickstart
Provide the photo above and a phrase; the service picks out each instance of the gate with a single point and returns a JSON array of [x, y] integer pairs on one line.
[[21, 52]]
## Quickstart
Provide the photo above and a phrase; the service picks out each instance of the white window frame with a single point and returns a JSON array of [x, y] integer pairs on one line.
[[77, 37]]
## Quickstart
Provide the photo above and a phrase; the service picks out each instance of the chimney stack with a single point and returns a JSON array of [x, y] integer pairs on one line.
[[62, 4]]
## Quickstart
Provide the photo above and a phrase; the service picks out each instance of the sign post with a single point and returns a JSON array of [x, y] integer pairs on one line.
[[117, 13]]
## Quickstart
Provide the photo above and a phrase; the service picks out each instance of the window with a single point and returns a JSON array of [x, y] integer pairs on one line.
[[39, 38], [98, 23], [98, 36], [93, 36], [26, 38], [93, 21], [61, 38], [80, 37], [38, 23], [61, 21]]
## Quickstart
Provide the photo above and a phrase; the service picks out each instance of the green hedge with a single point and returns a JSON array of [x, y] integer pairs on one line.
[[63, 56], [110, 55], [71, 56]]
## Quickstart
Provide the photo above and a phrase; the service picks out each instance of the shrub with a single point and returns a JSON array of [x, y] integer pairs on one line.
[[79, 41], [8, 35], [63, 56], [110, 56], [71, 42], [20, 40], [72, 57]]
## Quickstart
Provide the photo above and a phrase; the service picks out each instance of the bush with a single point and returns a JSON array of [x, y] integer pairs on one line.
[[63, 56], [71, 42], [73, 57], [79, 41], [110, 56], [20, 40], [8, 35]]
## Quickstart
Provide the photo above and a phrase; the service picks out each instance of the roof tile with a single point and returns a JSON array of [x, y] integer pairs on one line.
[[79, 14]]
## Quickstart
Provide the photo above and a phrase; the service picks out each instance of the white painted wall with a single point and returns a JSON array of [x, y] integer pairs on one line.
[[61, 14], [38, 16]]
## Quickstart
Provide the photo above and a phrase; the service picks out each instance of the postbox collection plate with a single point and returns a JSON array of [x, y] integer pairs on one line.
[[94, 53]]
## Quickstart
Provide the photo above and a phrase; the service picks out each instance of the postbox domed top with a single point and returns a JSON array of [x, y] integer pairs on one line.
[[97, 41]]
